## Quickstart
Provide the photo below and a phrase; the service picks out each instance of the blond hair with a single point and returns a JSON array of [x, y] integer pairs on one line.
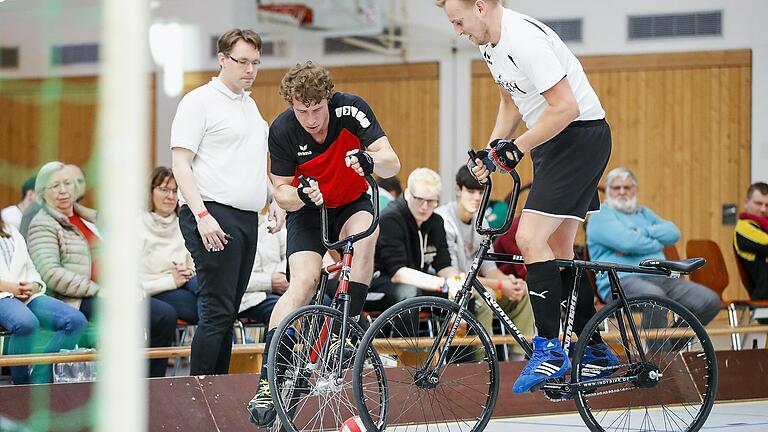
[[425, 177], [308, 83]]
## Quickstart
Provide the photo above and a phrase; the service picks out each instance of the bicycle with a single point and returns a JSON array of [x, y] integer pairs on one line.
[[310, 355], [666, 387]]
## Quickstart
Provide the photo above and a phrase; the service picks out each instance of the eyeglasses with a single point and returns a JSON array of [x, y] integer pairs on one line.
[[419, 201], [245, 62], [166, 191], [63, 186]]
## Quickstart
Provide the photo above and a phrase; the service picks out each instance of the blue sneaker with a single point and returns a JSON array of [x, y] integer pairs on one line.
[[548, 362], [596, 358]]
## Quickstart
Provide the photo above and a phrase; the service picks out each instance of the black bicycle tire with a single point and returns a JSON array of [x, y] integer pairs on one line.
[[287, 423], [696, 326], [395, 310]]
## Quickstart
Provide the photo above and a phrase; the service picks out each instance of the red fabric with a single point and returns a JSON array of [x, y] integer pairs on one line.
[[90, 237], [340, 185], [506, 244], [762, 220]]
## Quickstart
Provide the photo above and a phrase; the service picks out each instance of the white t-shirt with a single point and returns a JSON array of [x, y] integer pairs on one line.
[[228, 135], [12, 216], [529, 59]]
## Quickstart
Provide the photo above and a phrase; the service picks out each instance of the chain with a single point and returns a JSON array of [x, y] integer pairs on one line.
[[609, 392]]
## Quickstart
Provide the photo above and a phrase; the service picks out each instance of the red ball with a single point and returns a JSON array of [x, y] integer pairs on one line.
[[353, 424]]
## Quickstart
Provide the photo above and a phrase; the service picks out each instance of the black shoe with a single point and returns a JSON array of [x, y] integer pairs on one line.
[[347, 353], [262, 407]]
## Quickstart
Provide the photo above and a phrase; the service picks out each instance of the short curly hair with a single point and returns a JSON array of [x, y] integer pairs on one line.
[[308, 83]]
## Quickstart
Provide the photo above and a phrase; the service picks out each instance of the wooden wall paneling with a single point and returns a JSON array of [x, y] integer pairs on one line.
[[19, 136], [680, 121], [51, 119], [405, 99]]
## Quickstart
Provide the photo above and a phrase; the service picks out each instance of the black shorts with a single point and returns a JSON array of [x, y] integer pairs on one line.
[[567, 170], [304, 225]]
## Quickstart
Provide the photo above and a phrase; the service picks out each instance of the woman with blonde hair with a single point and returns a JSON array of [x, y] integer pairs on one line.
[[63, 242]]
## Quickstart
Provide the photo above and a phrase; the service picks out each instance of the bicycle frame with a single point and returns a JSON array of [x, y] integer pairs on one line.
[[463, 296], [341, 298]]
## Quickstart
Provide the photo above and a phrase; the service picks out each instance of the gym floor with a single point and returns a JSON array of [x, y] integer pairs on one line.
[[749, 416]]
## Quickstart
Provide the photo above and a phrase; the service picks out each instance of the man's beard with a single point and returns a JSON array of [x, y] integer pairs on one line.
[[625, 206]]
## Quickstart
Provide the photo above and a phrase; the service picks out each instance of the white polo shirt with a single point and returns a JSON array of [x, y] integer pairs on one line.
[[228, 135], [529, 59]]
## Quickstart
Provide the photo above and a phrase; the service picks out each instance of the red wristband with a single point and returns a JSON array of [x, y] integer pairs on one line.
[[203, 214]]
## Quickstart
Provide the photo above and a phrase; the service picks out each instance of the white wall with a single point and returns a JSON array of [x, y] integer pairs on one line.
[[36, 24], [604, 32]]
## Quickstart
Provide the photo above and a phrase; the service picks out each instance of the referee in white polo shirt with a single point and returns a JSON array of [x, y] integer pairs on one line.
[[543, 84], [219, 147]]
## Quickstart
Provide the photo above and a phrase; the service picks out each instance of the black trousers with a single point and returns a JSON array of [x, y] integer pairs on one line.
[[223, 277], [162, 329]]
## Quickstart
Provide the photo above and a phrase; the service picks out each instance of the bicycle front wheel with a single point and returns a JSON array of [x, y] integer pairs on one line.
[[305, 357], [457, 393], [672, 390]]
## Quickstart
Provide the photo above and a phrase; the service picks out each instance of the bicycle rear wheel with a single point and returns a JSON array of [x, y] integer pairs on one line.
[[303, 359], [676, 346], [458, 394]]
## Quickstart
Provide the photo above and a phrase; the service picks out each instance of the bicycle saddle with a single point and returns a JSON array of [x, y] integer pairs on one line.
[[687, 266]]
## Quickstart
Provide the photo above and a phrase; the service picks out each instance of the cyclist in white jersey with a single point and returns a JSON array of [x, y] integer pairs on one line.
[[543, 84]]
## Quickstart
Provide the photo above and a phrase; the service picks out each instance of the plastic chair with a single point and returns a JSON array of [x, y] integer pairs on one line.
[[243, 324], [714, 276], [184, 332], [670, 252]]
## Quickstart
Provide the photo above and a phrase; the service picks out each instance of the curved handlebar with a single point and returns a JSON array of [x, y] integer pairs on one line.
[[354, 237], [486, 199]]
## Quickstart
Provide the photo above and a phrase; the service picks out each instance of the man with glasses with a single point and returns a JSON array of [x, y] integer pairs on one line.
[[412, 255], [219, 148], [625, 232], [333, 139]]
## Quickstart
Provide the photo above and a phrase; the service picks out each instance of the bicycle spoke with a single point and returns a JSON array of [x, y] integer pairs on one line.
[[424, 381], [672, 402], [310, 397]]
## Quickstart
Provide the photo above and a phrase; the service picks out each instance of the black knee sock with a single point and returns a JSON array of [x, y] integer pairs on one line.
[[267, 340], [585, 303], [544, 287], [357, 294]]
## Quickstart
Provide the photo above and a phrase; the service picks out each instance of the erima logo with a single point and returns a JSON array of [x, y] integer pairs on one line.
[[352, 111], [303, 150], [542, 294], [510, 86], [487, 58]]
